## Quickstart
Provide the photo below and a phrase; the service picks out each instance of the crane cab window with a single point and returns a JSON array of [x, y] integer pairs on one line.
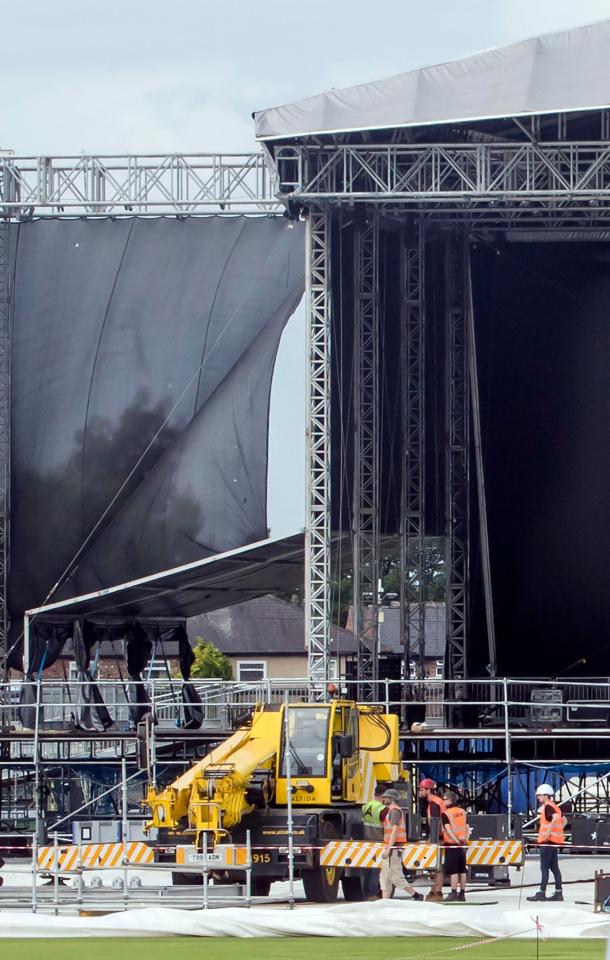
[[308, 736]]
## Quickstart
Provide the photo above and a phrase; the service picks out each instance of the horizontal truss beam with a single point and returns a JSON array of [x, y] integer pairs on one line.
[[172, 184], [563, 171]]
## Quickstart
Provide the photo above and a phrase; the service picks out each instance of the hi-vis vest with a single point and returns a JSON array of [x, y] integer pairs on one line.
[[371, 812], [553, 832], [458, 823], [401, 832]]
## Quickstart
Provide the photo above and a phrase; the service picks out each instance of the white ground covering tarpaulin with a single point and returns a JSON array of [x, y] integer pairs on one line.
[[561, 71], [381, 919]]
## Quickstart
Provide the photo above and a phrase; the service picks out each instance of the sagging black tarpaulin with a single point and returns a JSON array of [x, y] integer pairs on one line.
[[192, 710], [112, 320], [92, 712], [137, 650], [47, 640]]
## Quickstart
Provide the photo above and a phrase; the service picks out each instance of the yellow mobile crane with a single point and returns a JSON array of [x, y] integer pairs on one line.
[[337, 752]]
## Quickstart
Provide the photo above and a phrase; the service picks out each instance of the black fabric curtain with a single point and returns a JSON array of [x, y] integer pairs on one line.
[[142, 358]]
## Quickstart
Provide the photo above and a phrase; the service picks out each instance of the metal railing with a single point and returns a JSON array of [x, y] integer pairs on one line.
[[498, 703]]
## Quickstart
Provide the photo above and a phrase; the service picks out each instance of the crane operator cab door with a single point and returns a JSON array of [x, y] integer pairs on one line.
[[346, 782], [305, 755], [322, 745]]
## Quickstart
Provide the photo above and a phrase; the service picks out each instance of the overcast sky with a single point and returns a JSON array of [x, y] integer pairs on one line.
[[145, 76]]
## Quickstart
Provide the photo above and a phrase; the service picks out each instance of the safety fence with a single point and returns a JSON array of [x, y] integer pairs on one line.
[[43, 722], [474, 704]]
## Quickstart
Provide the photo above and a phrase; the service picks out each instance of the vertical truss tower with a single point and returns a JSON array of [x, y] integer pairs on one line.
[[318, 532], [412, 514], [366, 453], [5, 433], [457, 455]]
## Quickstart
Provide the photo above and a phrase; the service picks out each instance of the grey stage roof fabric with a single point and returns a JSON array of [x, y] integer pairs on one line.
[[119, 325], [209, 584], [560, 71]]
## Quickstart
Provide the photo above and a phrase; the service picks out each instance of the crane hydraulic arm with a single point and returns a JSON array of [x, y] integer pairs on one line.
[[337, 752], [219, 790]]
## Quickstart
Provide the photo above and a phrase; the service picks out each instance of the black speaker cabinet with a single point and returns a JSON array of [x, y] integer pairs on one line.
[[546, 708]]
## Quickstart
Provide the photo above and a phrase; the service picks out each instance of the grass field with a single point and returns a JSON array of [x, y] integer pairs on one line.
[[301, 948]]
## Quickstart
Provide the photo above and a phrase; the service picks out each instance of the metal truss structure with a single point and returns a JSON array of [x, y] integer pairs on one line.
[[561, 182], [412, 514], [5, 436], [366, 451], [457, 454], [143, 184], [318, 533]]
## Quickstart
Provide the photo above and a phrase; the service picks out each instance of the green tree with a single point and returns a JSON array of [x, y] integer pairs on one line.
[[434, 572], [210, 662]]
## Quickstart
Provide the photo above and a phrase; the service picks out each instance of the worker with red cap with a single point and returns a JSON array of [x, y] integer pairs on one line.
[[435, 807]]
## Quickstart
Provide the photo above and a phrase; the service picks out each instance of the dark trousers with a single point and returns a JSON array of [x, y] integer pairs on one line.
[[549, 863], [371, 883]]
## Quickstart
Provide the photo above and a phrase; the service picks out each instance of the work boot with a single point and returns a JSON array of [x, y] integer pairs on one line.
[[452, 897], [540, 895], [417, 896], [434, 897], [557, 896]]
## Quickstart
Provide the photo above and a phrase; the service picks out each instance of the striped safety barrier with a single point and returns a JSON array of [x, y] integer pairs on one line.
[[495, 853], [358, 853], [94, 856], [421, 856]]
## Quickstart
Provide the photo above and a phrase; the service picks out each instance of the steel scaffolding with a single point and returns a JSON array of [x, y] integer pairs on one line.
[[366, 450], [318, 532], [413, 386], [457, 455]]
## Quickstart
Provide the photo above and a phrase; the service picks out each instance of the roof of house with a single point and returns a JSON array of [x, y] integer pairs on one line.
[[435, 630], [265, 625], [564, 71], [389, 630]]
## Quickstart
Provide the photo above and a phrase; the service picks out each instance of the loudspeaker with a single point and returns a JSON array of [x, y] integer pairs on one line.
[[597, 713], [488, 826], [547, 707]]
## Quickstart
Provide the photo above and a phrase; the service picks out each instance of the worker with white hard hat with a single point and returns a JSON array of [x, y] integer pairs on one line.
[[551, 822]]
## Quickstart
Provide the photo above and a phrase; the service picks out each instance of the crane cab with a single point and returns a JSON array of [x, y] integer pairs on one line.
[[319, 749]]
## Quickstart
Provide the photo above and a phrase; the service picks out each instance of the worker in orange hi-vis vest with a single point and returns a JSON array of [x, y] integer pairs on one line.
[[394, 838], [435, 807], [551, 823], [455, 839]]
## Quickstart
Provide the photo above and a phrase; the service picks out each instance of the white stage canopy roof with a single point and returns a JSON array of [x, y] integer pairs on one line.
[[558, 72]]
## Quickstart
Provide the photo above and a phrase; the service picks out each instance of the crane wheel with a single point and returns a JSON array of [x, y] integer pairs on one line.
[[322, 883], [353, 889], [260, 886], [187, 879]]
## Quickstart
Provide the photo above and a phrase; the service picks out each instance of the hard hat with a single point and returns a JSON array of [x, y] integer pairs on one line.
[[545, 789], [428, 784], [391, 795]]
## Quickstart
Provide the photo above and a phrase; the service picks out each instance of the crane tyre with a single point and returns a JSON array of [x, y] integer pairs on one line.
[[187, 879], [322, 883], [260, 886], [353, 889]]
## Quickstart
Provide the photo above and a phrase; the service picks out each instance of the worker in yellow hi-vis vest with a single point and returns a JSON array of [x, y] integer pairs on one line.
[[372, 829]]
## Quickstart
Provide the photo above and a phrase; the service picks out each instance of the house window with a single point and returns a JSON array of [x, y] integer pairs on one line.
[[157, 670], [439, 669], [249, 671]]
